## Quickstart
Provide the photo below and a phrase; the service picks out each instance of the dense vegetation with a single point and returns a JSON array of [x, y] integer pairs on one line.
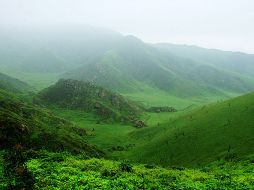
[[58, 171], [72, 134], [194, 137], [39, 127], [24, 129], [75, 94]]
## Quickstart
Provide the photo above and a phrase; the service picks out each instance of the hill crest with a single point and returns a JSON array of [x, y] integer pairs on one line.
[[74, 94]]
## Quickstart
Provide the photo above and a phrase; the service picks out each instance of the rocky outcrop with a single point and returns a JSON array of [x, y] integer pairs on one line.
[[139, 124], [161, 109]]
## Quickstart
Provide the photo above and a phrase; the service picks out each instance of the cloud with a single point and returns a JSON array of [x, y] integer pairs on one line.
[[224, 24]]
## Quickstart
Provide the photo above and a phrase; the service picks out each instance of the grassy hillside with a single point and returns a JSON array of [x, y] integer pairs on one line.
[[35, 79], [26, 129], [37, 128], [79, 95], [221, 130], [49, 140], [148, 97], [190, 137], [134, 65], [236, 62], [14, 85], [107, 136], [123, 63]]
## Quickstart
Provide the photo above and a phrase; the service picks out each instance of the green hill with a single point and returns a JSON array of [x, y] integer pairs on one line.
[[236, 62], [222, 130], [37, 128], [124, 64], [140, 64], [14, 85], [133, 65], [25, 131], [85, 96], [110, 83]]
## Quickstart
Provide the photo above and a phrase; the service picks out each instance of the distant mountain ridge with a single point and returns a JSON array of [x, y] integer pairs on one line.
[[237, 62], [126, 64]]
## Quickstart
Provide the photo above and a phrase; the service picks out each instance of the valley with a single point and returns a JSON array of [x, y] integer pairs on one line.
[[108, 111]]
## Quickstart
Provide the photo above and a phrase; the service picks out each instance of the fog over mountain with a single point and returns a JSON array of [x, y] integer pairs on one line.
[[221, 24], [138, 94], [123, 63]]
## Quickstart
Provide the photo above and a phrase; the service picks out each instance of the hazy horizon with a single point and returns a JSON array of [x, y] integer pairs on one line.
[[215, 24]]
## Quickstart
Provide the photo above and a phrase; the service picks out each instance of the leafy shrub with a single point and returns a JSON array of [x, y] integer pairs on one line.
[[126, 167], [75, 173]]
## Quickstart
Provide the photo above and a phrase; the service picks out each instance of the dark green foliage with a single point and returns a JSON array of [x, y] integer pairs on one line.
[[14, 135], [158, 75], [38, 128], [125, 166], [75, 173], [15, 170], [25, 128], [75, 94]]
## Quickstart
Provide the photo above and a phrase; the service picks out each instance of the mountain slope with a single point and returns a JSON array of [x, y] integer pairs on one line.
[[44, 61], [232, 61], [14, 85], [38, 128], [90, 98], [131, 64], [126, 64], [26, 132], [219, 131]]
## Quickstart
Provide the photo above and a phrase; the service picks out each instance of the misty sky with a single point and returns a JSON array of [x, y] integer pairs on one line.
[[222, 24]]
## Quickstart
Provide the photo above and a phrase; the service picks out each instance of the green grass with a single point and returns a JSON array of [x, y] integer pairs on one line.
[[157, 119], [221, 130], [104, 136], [155, 97], [194, 137], [37, 128], [110, 135], [191, 137], [38, 81], [158, 98]]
